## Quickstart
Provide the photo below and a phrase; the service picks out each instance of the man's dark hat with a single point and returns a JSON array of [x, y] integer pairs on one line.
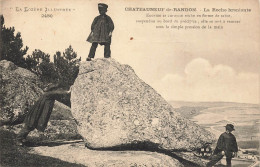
[[102, 6], [230, 127]]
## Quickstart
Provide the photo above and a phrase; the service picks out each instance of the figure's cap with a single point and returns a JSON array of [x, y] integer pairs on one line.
[[102, 6], [230, 127]]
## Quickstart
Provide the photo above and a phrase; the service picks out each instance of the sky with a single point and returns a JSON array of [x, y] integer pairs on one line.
[[185, 65]]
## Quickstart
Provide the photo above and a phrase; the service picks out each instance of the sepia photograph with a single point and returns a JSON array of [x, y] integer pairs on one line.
[[130, 83]]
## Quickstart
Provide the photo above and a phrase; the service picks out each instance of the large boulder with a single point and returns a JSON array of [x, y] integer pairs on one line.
[[113, 107], [20, 88]]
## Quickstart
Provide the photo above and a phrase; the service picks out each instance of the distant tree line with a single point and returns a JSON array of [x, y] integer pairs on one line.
[[63, 69]]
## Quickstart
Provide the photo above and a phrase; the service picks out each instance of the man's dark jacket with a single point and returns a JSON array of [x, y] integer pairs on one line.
[[227, 143], [100, 29]]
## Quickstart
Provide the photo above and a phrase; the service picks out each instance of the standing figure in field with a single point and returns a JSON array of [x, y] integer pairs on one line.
[[39, 114], [226, 145], [101, 32]]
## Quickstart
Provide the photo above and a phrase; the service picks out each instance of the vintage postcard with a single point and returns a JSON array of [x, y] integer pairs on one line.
[[130, 83]]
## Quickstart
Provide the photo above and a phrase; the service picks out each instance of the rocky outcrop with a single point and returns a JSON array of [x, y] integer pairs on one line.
[[114, 107], [20, 88]]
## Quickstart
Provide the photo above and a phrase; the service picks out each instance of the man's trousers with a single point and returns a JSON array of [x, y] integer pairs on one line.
[[217, 157], [107, 51]]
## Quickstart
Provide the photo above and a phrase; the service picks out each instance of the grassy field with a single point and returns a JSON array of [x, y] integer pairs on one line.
[[16, 156], [249, 144], [215, 115], [189, 111]]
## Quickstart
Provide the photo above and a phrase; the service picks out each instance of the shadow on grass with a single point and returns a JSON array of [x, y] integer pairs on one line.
[[49, 143], [15, 156], [147, 146]]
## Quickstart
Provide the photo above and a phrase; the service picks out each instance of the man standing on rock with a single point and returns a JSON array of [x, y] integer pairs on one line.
[[101, 32], [226, 145]]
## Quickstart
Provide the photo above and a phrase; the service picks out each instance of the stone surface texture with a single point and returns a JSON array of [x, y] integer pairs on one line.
[[20, 88], [114, 107]]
